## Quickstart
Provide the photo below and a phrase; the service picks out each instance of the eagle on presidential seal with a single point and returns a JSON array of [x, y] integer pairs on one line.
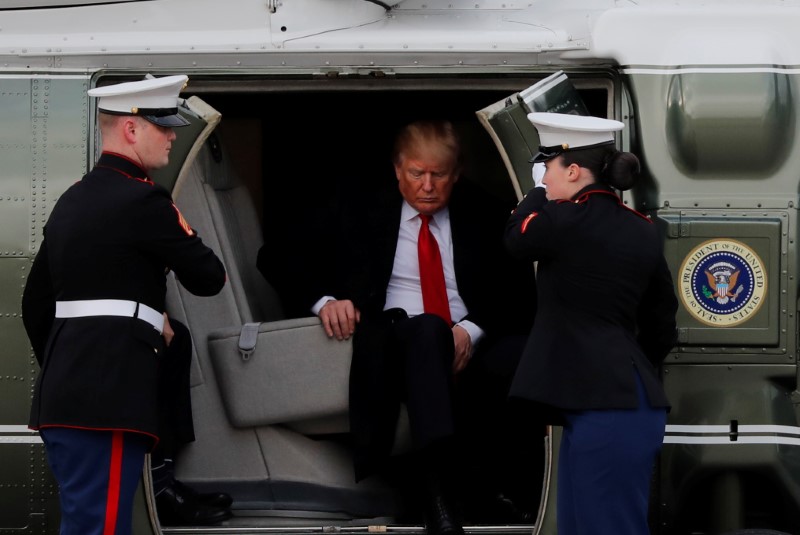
[[722, 278]]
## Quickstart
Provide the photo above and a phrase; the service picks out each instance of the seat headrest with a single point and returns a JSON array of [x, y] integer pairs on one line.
[[217, 169]]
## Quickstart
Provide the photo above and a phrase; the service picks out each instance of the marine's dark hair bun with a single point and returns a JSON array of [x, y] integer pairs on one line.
[[621, 170]]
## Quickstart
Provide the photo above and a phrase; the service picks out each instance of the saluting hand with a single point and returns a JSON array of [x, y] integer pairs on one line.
[[339, 318], [537, 172]]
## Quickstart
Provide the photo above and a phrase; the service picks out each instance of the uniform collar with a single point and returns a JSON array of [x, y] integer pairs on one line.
[[602, 190], [593, 189], [123, 165]]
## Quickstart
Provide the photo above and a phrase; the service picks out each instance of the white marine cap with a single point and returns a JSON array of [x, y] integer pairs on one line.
[[561, 132], [154, 99]]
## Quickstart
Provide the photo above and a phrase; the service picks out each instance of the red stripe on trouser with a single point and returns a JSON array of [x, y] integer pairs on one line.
[[114, 482]]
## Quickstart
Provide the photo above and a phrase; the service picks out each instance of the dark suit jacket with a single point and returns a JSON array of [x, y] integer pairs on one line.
[[112, 235], [497, 290], [606, 301]]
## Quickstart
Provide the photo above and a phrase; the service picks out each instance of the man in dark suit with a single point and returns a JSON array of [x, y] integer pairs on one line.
[[93, 308], [426, 287]]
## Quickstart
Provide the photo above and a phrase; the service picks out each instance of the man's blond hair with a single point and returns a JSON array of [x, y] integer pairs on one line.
[[424, 136]]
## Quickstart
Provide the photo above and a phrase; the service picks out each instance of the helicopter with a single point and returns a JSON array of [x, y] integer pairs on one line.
[[279, 91]]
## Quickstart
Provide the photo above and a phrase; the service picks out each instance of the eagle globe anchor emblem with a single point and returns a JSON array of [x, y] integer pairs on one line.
[[722, 278]]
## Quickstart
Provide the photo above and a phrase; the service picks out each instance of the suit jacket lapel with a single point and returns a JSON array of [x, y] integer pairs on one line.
[[390, 234], [386, 222]]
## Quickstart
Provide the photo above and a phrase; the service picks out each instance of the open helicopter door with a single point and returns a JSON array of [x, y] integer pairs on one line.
[[189, 139], [515, 138], [517, 141]]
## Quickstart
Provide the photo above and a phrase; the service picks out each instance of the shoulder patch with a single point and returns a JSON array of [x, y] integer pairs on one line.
[[528, 220], [182, 221]]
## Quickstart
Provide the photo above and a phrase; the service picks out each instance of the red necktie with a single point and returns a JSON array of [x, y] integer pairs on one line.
[[431, 273]]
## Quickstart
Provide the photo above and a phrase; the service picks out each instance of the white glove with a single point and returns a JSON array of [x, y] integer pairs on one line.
[[538, 175]]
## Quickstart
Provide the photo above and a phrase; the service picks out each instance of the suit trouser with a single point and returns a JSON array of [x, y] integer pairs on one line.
[[425, 361], [605, 468], [399, 359], [97, 474]]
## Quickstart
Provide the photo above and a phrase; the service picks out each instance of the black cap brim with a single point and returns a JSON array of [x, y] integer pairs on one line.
[[168, 121], [545, 154]]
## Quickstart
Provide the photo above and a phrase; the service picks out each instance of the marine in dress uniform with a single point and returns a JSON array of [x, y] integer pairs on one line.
[[606, 320], [93, 308]]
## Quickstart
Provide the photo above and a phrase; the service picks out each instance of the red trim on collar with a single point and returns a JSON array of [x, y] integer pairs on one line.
[[586, 194], [146, 179]]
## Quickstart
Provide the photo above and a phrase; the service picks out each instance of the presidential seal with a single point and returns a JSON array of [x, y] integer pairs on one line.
[[722, 282]]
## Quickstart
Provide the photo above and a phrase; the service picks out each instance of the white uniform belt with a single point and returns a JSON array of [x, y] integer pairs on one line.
[[110, 307]]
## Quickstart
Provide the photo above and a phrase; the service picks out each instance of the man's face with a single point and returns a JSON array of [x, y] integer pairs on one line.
[[426, 178], [153, 144]]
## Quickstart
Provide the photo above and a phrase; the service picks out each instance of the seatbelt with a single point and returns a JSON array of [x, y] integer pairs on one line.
[[248, 338]]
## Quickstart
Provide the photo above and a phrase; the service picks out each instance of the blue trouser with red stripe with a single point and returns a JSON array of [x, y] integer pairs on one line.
[[604, 469], [97, 474]]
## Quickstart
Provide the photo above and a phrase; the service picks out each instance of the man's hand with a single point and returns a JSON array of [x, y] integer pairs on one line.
[[463, 345], [339, 318], [167, 331]]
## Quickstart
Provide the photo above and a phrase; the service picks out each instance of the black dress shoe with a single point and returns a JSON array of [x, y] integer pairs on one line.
[[214, 499], [178, 509], [440, 519]]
